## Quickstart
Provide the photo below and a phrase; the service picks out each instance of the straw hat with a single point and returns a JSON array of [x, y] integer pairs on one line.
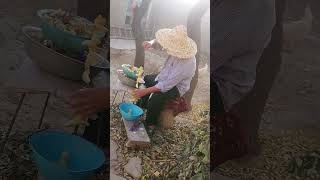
[[176, 42]]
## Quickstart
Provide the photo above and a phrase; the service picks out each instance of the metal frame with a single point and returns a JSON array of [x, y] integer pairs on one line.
[[13, 120], [118, 32]]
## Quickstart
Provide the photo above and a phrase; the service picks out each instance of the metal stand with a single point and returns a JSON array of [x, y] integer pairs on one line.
[[23, 95]]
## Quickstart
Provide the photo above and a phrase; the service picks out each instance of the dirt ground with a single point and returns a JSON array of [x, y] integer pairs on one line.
[[295, 98]]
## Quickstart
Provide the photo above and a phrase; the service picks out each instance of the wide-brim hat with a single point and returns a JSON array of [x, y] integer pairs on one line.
[[176, 42]]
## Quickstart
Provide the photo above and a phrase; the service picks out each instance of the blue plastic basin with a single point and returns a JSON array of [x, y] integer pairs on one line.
[[135, 113], [47, 147]]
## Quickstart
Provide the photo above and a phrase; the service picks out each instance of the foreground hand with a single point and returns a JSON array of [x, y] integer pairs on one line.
[[146, 45], [138, 93], [88, 101]]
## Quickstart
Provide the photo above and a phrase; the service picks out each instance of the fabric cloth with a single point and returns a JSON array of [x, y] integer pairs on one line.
[[216, 99], [228, 141], [176, 73], [178, 105], [156, 102], [98, 127], [240, 32], [250, 109]]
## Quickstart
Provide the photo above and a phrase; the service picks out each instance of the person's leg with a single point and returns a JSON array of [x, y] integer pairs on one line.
[[228, 141], [149, 82], [216, 104], [95, 132], [156, 104], [251, 108], [216, 99]]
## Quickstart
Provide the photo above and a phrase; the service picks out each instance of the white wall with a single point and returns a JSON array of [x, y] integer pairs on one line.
[[118, 10], [205, 28], [166, 14]]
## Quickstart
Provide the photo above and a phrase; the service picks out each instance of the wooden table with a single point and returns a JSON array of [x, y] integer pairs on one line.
[[136, 139]]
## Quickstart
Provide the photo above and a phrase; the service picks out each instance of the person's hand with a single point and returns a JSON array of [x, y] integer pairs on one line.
[[88, 101], [138, 93], [146, 45]]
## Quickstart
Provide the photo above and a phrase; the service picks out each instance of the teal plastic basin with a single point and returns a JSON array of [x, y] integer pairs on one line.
[[62, 39], [47, 147], [129, 73]]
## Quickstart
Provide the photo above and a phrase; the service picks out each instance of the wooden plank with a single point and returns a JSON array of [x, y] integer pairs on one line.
[[137, 138], [113, 96], [127, 97], [119, 98]]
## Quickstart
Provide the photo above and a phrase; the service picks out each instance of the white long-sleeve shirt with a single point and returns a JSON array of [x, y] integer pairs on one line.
[[176, 72]]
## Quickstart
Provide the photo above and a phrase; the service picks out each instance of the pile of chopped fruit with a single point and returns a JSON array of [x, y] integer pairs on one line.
[[91, 60], [137, 72], [68, 22]]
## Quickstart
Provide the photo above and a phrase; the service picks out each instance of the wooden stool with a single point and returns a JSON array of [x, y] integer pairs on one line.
[[170, 111], [166, 118]]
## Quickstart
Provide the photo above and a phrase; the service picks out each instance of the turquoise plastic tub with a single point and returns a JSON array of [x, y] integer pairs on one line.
[[135, 114], [129, 73], [62, 39], [47, 147]]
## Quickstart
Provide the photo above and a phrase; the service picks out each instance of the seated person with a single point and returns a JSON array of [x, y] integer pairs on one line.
[[175, 77]]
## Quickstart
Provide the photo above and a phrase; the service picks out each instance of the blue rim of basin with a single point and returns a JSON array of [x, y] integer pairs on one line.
[[41, 13], [62, 132], [125, 103]]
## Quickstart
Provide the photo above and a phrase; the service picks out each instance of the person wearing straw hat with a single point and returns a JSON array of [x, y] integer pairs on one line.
[[175, 77]]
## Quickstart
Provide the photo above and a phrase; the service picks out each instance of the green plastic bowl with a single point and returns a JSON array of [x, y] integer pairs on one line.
[[61, 39]]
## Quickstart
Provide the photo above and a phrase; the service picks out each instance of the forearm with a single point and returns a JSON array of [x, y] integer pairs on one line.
[[152, 42], [155, 44], [152, 89]]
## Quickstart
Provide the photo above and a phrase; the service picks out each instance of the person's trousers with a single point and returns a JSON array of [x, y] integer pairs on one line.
[[295, 10], [97, 132], [156, 102], [235, 133], [227, 140], [216, 99]]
